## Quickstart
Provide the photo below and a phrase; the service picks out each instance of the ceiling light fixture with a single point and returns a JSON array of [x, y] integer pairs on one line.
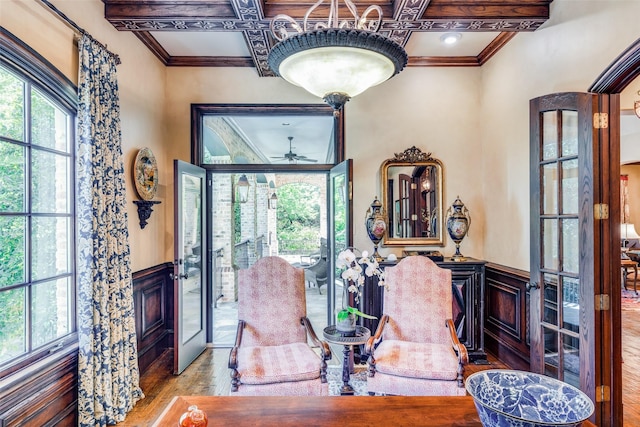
[[335, 60], [450, 38]]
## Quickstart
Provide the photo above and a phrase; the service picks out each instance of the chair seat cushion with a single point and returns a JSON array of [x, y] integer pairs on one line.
[[416, 360], [276, 364]]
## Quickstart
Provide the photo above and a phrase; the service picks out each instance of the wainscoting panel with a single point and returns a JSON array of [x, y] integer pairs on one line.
[[43, 395], [47, 394], [507, 315], [152, 294]]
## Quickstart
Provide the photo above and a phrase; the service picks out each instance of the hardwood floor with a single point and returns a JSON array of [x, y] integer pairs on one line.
[[209, 375], [630, 363]]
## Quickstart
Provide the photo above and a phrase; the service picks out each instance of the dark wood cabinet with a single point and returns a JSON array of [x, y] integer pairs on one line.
[[468, 288]]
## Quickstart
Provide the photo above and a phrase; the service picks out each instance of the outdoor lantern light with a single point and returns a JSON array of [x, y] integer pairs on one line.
[[273, 201], [243, 189], [335, 60]]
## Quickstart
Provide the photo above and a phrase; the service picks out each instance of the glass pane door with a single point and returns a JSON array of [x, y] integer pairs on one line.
[[560, 287], [189, 269], [566, 262], [340, 229]]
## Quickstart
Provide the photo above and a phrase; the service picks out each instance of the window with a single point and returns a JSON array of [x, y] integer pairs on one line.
[[37, 277]]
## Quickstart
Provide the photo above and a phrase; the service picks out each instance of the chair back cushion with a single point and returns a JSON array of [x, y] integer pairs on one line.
[[418, 300], [271, 300]]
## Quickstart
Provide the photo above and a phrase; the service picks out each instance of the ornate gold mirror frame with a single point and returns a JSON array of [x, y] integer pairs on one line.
[[412, 190]]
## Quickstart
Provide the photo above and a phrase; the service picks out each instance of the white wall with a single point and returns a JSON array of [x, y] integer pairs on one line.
[[142, 99], [474, 119], [434, 109], [567, 54]]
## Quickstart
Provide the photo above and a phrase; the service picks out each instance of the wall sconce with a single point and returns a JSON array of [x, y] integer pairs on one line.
[[242, 187], [273, 201], [636, 106]]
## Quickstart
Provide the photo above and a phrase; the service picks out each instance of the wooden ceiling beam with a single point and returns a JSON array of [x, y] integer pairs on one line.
[[118, 10], [421, 25], [438, 11], [253, 18]]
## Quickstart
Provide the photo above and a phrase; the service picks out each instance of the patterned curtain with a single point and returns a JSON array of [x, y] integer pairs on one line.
[[108, 358], [624, 199]]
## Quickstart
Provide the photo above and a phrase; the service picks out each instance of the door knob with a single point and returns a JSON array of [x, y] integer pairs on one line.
[[179, 276], [532, 285]]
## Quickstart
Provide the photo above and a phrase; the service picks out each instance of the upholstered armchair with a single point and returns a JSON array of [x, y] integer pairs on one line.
[[415, 350], [271, 355]]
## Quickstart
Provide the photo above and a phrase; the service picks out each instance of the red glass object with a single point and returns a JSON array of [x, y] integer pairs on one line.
[[194, 417]]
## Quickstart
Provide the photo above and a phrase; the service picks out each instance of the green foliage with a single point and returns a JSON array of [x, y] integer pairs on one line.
[[12, 177], [39, 308], [12, 247], [43, 123], [237, 227], [12, 324], [11, 106], [298, 218]]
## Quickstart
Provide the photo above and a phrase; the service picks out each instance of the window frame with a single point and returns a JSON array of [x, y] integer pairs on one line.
[[42, 76]]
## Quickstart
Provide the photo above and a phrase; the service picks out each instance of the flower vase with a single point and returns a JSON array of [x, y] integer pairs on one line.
[[345, 320]]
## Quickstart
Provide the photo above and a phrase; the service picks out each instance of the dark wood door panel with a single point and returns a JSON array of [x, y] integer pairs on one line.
[[507, 315]]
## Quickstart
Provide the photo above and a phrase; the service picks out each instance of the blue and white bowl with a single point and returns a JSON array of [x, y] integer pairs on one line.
[[524, 399]]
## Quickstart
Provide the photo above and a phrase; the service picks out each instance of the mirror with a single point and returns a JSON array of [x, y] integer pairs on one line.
[[411, 187]]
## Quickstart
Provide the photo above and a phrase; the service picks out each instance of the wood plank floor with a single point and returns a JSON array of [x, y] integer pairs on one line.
[[209, 375], [630, 363]]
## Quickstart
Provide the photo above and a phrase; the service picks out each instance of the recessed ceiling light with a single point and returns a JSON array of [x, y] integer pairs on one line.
[[450, 38], [285, 124]]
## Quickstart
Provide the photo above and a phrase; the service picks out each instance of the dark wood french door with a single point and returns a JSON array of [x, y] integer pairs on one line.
[[572, 252]]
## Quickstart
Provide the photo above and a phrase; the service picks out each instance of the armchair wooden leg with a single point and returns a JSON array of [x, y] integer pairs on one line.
[[323, 371], [235, 380], [460, 375], [372, 367]]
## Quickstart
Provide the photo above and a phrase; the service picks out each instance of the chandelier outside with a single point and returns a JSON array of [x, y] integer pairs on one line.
[[335, 60]]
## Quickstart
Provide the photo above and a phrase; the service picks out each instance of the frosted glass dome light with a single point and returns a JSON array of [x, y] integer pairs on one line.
[[335, 61]]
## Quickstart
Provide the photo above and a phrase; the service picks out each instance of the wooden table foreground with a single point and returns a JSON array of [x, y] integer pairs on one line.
[[434, 411]]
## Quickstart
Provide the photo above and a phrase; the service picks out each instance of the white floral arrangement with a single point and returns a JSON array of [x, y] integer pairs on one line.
[[355, 270]]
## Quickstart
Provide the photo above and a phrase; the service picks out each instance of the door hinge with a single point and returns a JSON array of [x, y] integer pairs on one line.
[[350, 190], [602, 302], [600, 120], [603, 393], [601, 211]]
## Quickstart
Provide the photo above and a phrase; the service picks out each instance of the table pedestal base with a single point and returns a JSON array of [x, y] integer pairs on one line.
[[346, 389]]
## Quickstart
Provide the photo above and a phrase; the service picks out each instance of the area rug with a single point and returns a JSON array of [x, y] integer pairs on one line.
[[630, 295], [629, 300], [358, 380]]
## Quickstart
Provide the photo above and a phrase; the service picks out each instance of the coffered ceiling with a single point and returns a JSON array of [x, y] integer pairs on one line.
[[235, 33]]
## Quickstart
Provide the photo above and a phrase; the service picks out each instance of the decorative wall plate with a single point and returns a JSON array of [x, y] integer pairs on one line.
[[145, 174]]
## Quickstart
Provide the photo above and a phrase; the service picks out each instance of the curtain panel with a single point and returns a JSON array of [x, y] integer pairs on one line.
[[624, 199], [108, 359]]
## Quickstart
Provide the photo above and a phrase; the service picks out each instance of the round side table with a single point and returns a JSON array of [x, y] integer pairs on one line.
[[360, 336]]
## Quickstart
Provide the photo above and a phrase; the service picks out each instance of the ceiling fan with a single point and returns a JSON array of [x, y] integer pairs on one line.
[[293, 157]]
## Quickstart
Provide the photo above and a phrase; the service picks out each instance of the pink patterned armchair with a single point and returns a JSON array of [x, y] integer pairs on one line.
[[271, 356], [415, 350]]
